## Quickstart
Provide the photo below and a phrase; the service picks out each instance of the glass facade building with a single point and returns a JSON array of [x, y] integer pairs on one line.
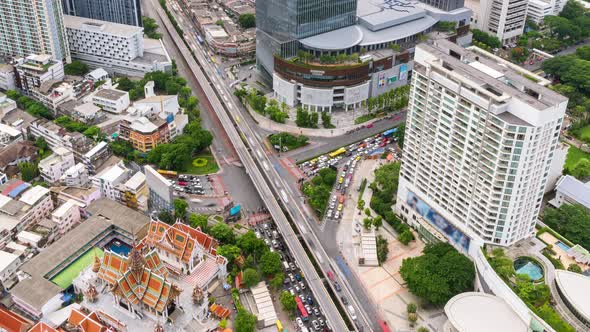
[[116, 11], [281, 23]]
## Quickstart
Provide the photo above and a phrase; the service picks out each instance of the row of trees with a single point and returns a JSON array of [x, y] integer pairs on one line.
[[319, 188], [384, 189], [307, 57], [72, 125], [30, 105], [391, 101], [486, 39], [271, 108], [150, 28], [306, 119]]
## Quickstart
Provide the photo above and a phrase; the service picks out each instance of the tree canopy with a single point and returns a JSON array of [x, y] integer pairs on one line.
[[223, 233], [319, 188], [76, 68], [150, 28], [247, 20], [439, 274], [251, 277], [245, 321], [270, 263], [571, 221]]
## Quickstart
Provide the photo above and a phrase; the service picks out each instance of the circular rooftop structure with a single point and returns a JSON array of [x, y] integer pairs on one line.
[[481, 312], [574, 289], [335, 40]]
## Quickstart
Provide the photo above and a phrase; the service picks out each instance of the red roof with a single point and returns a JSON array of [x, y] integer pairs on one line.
[[12, 322], [42, 327], [179, 239], [87, 322]]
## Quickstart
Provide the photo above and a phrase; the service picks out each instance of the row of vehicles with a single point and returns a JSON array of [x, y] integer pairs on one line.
[[309, 316]]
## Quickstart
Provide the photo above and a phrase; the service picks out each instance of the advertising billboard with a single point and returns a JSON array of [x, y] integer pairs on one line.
[[438, 221]]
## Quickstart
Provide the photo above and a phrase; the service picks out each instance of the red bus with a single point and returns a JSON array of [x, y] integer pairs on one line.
[[301, 308]]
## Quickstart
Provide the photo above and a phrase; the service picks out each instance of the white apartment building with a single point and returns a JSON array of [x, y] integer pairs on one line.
[[478, 147], [7, 105], [538, 9], [33, 27], [7, 81], [75, 176], [9, 263], [53, 167], [117, 48], [111, 100], [109, 179], [66, 216], [503, 18], [21, 206], [9, 134], [35, 70]]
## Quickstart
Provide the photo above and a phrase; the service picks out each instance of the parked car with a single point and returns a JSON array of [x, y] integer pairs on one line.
[[337, 286], [344, 300]]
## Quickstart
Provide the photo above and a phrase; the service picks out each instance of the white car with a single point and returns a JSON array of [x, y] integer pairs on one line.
[[337, 215], [299, 322]]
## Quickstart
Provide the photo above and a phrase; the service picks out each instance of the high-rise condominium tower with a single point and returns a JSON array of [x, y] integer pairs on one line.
[[116, 11], [33, 27], [479, 142], [280, 23]]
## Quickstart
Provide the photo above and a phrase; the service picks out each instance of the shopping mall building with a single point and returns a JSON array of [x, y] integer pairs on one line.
[[366, 31]]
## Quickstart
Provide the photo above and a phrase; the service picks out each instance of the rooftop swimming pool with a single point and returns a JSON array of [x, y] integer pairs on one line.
[[529, 267], [119, 247], [562, 245]]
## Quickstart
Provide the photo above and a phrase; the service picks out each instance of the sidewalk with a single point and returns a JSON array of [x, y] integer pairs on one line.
[[290, 127], [383, 284]]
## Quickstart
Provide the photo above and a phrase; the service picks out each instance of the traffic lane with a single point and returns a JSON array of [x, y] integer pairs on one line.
[[263, 189], [354, 289], [331, 144]]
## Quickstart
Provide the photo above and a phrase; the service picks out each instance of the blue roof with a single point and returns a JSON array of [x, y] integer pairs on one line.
[[16, 191]]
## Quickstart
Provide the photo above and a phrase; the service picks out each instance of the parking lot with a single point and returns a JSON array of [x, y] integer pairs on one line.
[[344, 160], [311, 319], [193, 184]]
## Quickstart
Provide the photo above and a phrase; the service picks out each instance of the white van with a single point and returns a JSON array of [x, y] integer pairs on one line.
[[286, 266]]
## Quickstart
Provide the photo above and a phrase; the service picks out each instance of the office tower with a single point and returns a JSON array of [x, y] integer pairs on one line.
[[479, 142], [502, 18], [116, 11], [280, 23], [33, 27]]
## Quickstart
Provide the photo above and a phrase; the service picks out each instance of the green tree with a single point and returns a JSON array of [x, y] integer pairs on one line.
[[198, 220], [251, 277], [166, 217], [367, 222], [92, 132], [28, 171], [180, 207], [223, 233], [150, 28], [487, 39], [219, 22], [360, 204], [76, 68], [277, 281], [378, 222], [245, 321], [440, 273], [270, 263], [229, 251], [247, 20], [288, 301], [405, 237], [327, 120], [581, 169], [572, 10], [574, 268], [571, 221], [382, 249], [252, 245]]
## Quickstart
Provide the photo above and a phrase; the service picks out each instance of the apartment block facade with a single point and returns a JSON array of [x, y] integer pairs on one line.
[[33, 27], [478, 147], [503, 18]]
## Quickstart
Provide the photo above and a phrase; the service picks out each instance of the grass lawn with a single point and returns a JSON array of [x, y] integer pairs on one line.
[[65, 277], [574, 154], [292, 142], [209, 167], [584, 133]]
